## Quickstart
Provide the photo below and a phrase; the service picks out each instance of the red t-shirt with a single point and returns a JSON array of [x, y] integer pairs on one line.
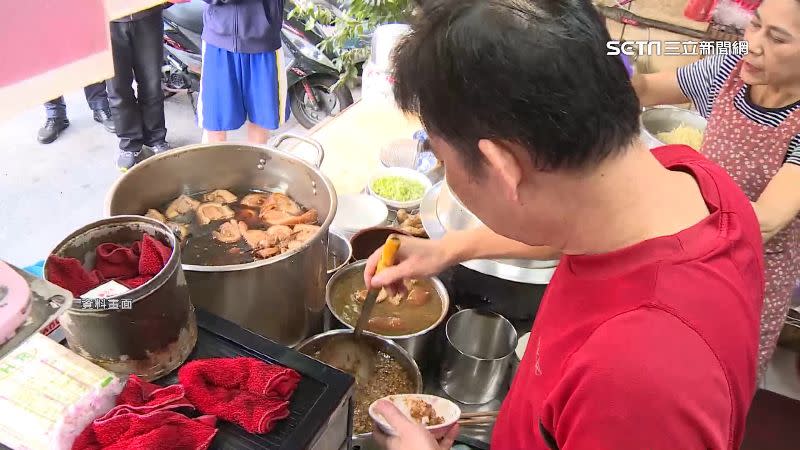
[[652, 347]]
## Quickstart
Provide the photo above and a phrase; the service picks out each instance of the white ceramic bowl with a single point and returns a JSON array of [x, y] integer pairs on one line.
[[356, 212], [405, 173], [443, 407]]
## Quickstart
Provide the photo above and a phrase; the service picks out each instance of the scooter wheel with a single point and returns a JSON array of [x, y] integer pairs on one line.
[[330, 102]]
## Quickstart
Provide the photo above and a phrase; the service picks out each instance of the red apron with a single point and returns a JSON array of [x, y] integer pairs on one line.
[[752, 154]]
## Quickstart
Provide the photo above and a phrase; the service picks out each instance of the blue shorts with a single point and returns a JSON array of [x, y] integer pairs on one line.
[[235, 87]]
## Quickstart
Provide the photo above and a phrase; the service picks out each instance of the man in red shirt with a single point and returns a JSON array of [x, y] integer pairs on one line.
[[647, 336]]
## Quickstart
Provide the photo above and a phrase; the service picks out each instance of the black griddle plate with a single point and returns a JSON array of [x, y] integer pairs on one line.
[[319, 394]]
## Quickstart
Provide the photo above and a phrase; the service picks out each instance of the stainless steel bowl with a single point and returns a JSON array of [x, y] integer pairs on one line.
[[339, 252], [313, 344], [419, 344], [662, 119]]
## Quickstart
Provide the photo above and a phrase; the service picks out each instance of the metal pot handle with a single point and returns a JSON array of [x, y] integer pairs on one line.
[[278, 140]]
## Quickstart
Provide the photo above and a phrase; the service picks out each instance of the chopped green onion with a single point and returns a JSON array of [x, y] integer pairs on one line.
[[398, 188]]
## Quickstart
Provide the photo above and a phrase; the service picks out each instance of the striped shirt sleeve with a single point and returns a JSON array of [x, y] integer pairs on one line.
[[701, 81], [793, 156]]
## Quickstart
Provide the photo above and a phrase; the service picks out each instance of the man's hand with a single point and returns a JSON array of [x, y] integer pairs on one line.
[[410, 435], [416, 258]]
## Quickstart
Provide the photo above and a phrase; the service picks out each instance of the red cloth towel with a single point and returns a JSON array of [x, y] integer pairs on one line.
[[155, 430], [143, 419], [245, 391], [132, 266], [141, 397], [70, 275]]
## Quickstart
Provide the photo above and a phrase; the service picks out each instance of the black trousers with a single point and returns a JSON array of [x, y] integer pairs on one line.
[[96, 97], [138, 53]]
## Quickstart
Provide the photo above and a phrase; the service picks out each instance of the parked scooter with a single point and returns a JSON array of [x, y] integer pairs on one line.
[[311, 74]]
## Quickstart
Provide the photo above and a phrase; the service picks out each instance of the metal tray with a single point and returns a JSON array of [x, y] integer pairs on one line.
[[48, 302], [319, 394]]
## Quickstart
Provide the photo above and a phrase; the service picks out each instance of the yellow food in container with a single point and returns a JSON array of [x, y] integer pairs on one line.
[[683, 135]]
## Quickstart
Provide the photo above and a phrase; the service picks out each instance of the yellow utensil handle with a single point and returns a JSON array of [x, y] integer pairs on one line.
[[389, 251]]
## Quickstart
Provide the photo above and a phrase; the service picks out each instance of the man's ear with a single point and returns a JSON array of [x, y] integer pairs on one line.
[[502, 161]]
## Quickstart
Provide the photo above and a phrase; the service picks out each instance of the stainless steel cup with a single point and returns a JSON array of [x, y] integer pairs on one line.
[[477, 359]]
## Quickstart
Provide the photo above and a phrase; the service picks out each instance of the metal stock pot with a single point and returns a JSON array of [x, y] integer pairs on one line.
[[282, 298]]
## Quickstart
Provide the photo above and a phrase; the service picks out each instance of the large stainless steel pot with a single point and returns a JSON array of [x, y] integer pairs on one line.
[[665, 118], [442, 211], [281, 298], [418, 345], [312, 345]]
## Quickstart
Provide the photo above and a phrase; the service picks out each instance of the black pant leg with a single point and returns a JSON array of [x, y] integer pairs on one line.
[[124, 109], [56, 108], [96, 96], [148, 57]]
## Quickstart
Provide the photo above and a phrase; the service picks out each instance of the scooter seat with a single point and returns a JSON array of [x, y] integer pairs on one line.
[[187, 15]]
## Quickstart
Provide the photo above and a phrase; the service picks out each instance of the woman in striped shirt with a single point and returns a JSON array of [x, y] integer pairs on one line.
[[752, 103]]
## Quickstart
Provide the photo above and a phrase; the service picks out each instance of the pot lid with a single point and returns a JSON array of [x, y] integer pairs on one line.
[[520, 271]]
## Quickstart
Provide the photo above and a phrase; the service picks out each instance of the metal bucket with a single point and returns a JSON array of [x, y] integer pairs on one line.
[[148, 331], [281, 298], [477, 360]]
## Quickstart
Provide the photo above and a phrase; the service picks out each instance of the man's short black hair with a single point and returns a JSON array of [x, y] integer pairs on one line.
[[532, 72]]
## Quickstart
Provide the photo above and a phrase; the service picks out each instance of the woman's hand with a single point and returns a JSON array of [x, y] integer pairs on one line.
[[416, 258], [410, 435]]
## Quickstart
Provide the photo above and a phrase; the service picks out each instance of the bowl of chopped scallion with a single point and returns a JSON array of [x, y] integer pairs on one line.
[[399, 187]]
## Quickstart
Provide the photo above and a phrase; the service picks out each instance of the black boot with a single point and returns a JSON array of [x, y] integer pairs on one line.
[[51, 129], [103, 116]]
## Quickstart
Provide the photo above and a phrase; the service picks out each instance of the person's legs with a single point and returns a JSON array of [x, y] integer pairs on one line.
[[56, 108], [256, 134], [212, 137], [56, 121], [220, 106], [97, 98], [147, 36], [127, 118], [264, 94]]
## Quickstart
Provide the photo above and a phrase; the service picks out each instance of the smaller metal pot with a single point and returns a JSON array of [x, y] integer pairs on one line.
[[313, 344], [477, 360], [418, 345], [666, 118], [339, 252], [148, 331]]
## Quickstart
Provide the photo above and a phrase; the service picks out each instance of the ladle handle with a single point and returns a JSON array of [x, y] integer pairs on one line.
[[387, 259], [389, 251]]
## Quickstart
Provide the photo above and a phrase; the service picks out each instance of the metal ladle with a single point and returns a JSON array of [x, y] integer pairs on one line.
[[351, 353]]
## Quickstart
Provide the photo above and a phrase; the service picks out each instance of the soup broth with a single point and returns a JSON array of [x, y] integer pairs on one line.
[[387, 318], [201, 239]]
